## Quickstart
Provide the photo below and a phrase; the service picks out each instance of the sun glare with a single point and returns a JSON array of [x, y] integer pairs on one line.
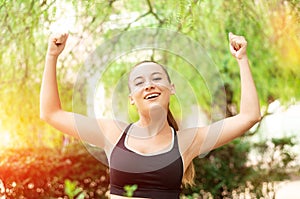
[[5, 139]]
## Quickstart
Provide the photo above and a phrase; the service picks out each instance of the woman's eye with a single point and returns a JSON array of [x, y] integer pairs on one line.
[[138, 83], [157, 78]]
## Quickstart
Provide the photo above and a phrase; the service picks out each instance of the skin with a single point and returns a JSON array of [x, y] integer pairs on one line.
[[145, 79]]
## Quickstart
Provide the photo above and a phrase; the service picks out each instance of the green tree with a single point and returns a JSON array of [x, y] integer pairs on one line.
[[271, 28]]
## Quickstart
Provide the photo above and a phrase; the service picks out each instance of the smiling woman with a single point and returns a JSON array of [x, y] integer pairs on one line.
[[151, 153], [150, 141]]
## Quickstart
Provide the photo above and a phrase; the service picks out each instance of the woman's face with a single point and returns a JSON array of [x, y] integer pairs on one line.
[[149, 86]]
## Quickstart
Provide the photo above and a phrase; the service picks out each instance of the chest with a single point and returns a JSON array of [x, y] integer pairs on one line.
[[150, 145], [163, 170]]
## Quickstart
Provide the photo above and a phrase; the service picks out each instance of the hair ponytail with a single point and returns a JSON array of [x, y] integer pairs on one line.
[[172, 122], [189, 174]]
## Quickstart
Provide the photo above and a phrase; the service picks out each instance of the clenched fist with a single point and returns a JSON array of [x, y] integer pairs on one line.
[[238, 46], [57, 43]]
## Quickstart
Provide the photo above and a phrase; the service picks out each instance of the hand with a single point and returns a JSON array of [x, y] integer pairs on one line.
[[238, 46], [57, 43]]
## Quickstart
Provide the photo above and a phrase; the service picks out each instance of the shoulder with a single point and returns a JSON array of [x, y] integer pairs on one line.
[[112, 130], [190, 141]]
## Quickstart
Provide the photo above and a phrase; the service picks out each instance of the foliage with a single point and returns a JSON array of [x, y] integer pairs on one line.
[[271, 28], [242, 165], [129, 189], [73, 191], [48, 173]]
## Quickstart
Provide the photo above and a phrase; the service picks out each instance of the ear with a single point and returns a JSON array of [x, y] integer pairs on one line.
[[173, 90], [131, 99]]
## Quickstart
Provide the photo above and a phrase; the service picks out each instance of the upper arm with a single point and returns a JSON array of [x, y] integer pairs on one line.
[[217, 134], [98, 132]]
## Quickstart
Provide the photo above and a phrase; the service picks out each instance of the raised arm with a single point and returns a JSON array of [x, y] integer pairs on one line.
[[88, 129], [249, 107], [49, 96], [222, 132]]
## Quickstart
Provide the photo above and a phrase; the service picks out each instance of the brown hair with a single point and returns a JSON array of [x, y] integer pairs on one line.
[[189, 174]]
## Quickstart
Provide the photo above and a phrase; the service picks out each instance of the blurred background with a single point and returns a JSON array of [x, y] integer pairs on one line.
[[36, 161]]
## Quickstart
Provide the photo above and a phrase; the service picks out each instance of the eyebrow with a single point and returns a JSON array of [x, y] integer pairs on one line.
[[154, 73], [139, 77]]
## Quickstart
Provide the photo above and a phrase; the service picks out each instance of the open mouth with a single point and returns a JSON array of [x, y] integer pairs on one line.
[[152, 96]]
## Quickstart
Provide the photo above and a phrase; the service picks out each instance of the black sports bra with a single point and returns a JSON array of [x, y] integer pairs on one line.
[[156, 176]]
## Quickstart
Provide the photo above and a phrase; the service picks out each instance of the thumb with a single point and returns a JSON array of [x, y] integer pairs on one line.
[[230, 35]]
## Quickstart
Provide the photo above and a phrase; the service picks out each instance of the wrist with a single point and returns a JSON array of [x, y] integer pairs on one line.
[[51, 56], [242, 59]]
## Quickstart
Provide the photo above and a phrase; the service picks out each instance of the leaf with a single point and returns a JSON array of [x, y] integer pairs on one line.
[[129, 190]]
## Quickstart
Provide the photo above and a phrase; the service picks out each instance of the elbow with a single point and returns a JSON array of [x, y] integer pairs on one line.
[[251, 119], [48, 114], [255, 118], [44, 116], [259, 118]]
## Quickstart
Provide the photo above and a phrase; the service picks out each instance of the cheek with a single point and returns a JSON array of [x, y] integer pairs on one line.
[[161, 83], [136, 97], [135, 90]]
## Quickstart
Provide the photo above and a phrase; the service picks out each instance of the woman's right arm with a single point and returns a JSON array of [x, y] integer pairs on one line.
[[88, 129]]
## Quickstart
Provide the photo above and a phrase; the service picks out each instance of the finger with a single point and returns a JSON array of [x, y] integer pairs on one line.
[[232, 50], [54, 38], [234, 44], [231, 47], [237, 46], [61, 39], [234, 41], [239, 42], [239, 39]]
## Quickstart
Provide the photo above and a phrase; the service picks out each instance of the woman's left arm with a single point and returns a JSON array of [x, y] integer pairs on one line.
[[222, 132], [249, 104]]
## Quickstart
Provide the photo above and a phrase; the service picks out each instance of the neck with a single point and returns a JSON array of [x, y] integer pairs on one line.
[[154, 122]]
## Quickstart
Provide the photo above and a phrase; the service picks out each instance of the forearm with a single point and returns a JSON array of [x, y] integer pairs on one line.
[[249, 105], [49, 96]]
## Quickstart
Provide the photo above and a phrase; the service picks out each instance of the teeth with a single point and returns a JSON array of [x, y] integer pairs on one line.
[[152, 95]]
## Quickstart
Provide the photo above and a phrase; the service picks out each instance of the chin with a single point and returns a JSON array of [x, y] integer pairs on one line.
[[155, 105], [157, 110]]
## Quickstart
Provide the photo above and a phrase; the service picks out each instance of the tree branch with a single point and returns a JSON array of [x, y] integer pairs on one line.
[[153, 13], [137, 19]]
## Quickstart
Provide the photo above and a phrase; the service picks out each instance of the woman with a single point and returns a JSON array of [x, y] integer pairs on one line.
[[151, 153]]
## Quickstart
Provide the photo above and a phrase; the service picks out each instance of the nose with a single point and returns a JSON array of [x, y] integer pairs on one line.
[[149, 86]]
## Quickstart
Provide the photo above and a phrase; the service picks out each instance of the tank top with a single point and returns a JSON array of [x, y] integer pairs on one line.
[[157, 176]]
